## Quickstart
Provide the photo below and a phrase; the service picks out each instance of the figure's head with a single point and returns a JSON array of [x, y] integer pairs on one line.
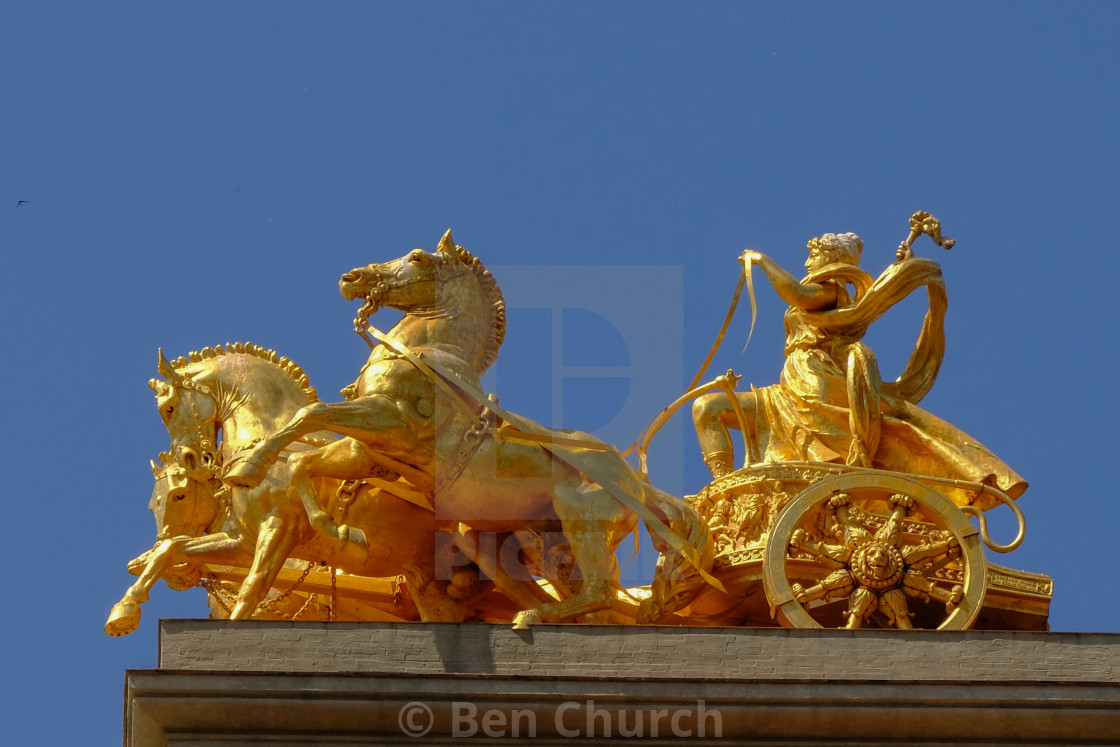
[[833, 248]]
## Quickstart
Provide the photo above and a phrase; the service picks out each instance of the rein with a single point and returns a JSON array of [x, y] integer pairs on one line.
[[371, 305], [725, 381], [745, 279], [205, 431]]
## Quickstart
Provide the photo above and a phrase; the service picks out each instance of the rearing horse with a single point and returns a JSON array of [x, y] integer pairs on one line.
[[417, 409], [238, 394]]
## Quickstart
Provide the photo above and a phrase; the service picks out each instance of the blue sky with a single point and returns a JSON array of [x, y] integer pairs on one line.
[[199, 173]]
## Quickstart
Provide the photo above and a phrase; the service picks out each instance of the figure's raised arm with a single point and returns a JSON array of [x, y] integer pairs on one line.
[[809, 296]]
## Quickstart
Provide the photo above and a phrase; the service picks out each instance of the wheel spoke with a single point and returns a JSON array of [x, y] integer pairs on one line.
[[830, 556], [851, 531]]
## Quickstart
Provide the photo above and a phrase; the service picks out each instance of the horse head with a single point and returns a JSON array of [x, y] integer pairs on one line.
[[182, 505], [449, 283], [190, 413], [407, 283]]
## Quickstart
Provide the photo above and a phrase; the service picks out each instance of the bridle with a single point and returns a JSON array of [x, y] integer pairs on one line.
[[204, 448], [385, 284], [194, 485]]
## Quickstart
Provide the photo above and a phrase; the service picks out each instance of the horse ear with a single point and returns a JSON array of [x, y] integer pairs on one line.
[[166, 370], [447, 247]]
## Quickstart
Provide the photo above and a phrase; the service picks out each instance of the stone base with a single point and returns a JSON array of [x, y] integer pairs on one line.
[[283, 683]]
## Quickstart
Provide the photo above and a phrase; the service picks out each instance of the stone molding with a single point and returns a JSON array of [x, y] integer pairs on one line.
[[347, 683]]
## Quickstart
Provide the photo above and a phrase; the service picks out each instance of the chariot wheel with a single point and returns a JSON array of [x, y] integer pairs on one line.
[[869, 549]]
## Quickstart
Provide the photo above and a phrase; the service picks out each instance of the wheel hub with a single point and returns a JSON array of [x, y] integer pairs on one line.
[[877, 565]]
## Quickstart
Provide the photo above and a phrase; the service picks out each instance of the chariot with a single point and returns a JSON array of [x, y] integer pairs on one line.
[[872, 525], [261, 502], [810, 544], [796, 544]]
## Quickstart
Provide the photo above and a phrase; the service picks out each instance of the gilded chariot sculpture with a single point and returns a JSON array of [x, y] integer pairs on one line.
[[420, 497]]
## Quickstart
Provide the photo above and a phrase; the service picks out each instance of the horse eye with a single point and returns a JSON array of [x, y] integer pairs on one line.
[[170, 409]]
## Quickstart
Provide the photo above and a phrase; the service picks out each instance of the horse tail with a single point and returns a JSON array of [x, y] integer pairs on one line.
[[680, 519], [679, 577], [681, 536]]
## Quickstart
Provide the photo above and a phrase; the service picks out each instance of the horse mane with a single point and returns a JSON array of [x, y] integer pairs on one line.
[[497, 302], [288, 366]]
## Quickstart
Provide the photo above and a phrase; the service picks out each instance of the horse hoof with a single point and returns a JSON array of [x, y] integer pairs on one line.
[[648, 613], [526, 619], [349, 535], [246, 473], [355, 546], [123, 619]]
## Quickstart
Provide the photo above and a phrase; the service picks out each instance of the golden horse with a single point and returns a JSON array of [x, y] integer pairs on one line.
[[418, 410], [243, 392]]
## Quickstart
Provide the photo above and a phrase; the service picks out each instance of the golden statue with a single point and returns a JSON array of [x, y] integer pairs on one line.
[[830, 404], [419, 497], [851, 505], [425, 443]]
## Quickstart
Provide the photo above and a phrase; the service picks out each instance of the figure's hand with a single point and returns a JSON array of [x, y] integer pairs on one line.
[[750, 255], [904, 252]]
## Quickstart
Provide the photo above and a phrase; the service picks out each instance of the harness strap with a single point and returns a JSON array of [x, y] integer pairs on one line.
[[542, 434], [528, 430]]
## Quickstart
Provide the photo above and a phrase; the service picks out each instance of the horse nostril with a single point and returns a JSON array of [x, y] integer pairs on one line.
[[188, 458], [351, 276]]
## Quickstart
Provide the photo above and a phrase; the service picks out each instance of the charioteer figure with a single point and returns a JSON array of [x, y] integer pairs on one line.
[[830, 404]]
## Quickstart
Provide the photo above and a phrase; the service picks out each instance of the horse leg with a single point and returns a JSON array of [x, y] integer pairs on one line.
[[375, 420], [431, 598], [518, 587], [125, 615], [275, 541], [342, 460], [587, 514]]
